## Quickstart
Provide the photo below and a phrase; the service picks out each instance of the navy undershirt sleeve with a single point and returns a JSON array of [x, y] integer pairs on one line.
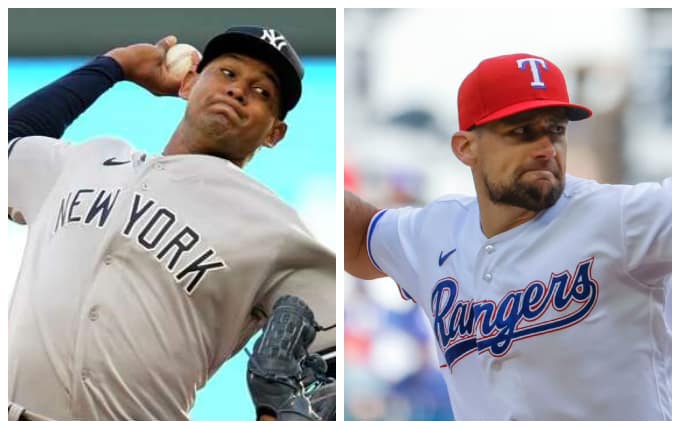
[[48, 111]]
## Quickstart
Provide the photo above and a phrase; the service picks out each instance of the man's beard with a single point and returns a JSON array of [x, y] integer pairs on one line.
[[527, 196]]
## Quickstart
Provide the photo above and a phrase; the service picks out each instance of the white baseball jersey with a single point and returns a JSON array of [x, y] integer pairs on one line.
[[142, 275], [559, 318]]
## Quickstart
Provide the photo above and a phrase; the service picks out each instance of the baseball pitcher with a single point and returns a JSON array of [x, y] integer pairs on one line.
[[546, 292], [144, 273]]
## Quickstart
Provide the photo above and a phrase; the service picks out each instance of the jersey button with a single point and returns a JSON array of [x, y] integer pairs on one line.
[[93, 314], [496, 365], [145, 187], [488, 277], [159, 166], [85, 374], [108, 259], [489, 248]]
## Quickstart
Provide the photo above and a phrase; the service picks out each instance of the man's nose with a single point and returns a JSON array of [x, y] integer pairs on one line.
[[236, 91], [545, 147]]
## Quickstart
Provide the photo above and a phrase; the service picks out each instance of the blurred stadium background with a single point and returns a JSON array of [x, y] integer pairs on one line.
[[44, 44], [402, 72]]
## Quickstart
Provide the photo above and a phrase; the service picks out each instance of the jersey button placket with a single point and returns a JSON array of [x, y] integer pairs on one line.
[[93, 314], [85, 374], [488, 249]]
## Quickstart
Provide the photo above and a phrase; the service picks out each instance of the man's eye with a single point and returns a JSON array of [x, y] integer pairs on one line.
[[263, 92], [520, 131], [559, 129], [228, 73]]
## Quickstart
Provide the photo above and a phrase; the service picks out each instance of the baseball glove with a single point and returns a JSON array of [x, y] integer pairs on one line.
[[282, 376]]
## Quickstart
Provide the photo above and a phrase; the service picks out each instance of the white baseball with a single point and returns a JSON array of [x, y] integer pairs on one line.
[[178, 60]]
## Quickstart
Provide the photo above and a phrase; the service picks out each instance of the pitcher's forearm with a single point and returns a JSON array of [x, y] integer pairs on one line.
[[358, 214]]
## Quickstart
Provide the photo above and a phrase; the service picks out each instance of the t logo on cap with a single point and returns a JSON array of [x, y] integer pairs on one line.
[[276, 40], [498, 88], [535, 71]]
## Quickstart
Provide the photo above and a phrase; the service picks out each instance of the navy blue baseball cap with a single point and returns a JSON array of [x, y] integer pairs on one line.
[[268, 46]]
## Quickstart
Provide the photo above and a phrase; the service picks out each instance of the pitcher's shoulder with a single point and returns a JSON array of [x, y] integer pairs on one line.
[[458, 203], [579, 188]]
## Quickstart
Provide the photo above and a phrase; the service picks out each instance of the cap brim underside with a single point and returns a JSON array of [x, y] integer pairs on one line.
[[575, 112]]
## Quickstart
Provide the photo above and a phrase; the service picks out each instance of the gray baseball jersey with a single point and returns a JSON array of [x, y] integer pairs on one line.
[[142, 275], [560, 318]]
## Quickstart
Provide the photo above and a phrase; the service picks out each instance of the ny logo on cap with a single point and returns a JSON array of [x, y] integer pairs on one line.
[[276, 40], [535, 70]]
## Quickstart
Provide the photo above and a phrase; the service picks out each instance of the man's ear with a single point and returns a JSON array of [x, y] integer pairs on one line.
[[277, 133], [187, 84], [464, 146]]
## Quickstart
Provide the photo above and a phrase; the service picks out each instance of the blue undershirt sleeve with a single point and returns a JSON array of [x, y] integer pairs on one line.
[[48, 111]]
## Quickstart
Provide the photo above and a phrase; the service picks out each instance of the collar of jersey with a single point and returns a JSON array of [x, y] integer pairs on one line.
[[544, 217]]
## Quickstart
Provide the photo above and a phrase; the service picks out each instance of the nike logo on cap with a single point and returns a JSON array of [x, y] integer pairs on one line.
[[112, 161], [444, 256]]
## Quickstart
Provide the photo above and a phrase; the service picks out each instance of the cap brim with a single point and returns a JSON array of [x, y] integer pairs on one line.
[[289, 83], [575, 112]]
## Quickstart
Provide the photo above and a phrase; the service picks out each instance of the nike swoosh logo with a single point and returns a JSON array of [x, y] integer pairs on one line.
[[112, 161], [444, 256]]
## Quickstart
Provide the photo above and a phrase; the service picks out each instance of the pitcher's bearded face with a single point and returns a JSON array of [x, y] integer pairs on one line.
[[523, 158], [532, 189]]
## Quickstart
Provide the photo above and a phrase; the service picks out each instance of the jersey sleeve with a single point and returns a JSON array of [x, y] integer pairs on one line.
[[389, 240], [647, 231], [34, 164], [306, 269]]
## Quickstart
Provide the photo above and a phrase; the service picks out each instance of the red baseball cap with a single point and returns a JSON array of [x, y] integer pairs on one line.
[[503, 86]]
